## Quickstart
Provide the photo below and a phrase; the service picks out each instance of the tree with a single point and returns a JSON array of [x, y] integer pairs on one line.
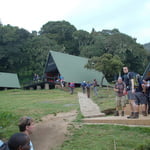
[[37, 50], [113, 42], [108, 64], [61, 32], [82, 37], [12, 41]]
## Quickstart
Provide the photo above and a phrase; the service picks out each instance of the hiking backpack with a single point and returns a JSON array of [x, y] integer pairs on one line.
[[136, 78]]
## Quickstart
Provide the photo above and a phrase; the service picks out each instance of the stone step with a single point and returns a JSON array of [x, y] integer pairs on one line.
[[88, 108], [142, 120], [94, 115]]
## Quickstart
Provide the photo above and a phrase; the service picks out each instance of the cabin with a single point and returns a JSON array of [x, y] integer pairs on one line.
[[9, 81], [72, 68]]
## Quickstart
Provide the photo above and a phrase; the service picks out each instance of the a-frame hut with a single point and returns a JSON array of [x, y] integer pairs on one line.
[[9, 81], [71, 68], [147, 72]]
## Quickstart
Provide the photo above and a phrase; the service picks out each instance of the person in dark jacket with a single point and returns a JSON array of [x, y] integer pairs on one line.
[[83, 85], [88, 88], [18, 141]]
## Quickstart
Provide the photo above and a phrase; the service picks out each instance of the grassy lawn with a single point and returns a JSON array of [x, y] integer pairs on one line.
[[34, 103], [108, 137], [38, 103], [105, 98]]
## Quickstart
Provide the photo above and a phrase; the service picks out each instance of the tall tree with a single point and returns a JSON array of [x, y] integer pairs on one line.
[[110, 65], [61, 32], [12, 41]]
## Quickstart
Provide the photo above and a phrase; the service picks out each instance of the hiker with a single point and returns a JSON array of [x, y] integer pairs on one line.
[[83, 85], [36, 77], [147, 92], [18, 141], [129, 81], [88, 86], [62, 81], [95, 87], [71, 86], [140, 99], [120, 89], [26, 125]]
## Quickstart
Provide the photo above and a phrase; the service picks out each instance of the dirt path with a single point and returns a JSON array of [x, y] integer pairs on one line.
[[51, 131]]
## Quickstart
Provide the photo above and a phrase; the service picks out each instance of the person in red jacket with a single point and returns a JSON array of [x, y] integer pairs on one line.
[[71, 86]]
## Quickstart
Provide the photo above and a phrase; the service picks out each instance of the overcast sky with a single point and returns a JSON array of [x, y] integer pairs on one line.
[[131, 17]]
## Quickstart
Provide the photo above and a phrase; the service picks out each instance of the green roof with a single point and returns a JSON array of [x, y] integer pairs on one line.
[[72, 68], [9, 80]]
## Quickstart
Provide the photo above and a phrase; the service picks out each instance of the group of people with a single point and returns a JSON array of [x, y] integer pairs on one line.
[[20, 140], [36, 77], [86, 86], [137, 91]]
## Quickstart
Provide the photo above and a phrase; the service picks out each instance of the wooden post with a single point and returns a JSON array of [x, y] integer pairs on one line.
[[38, 87], [46, 86]]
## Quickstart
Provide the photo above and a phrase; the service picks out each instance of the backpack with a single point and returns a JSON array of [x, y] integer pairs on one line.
[[4, 146], [136, 78]]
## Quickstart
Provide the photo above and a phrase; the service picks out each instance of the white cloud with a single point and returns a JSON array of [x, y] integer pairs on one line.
[[129, 16], [32, 14]]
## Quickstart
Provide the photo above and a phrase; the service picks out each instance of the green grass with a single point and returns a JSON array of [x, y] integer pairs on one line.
[[38, 103], [107, 137], [34, 103], [105, 98]]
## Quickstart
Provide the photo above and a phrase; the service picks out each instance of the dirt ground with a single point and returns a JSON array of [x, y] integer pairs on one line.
[[51, 132]]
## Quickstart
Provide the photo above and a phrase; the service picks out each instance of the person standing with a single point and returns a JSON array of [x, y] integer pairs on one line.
[[88, 87], [83, 85], [71, 86], [140, 98], [147, 92], [26, 125], [120, 89], [95, 87], [62, 81], [129, 81]]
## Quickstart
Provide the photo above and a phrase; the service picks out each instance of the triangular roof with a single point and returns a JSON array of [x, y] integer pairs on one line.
[[72, 68], [147, 71], [9, 80]]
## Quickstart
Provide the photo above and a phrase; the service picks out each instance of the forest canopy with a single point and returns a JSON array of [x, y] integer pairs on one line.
[[25, 53]]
